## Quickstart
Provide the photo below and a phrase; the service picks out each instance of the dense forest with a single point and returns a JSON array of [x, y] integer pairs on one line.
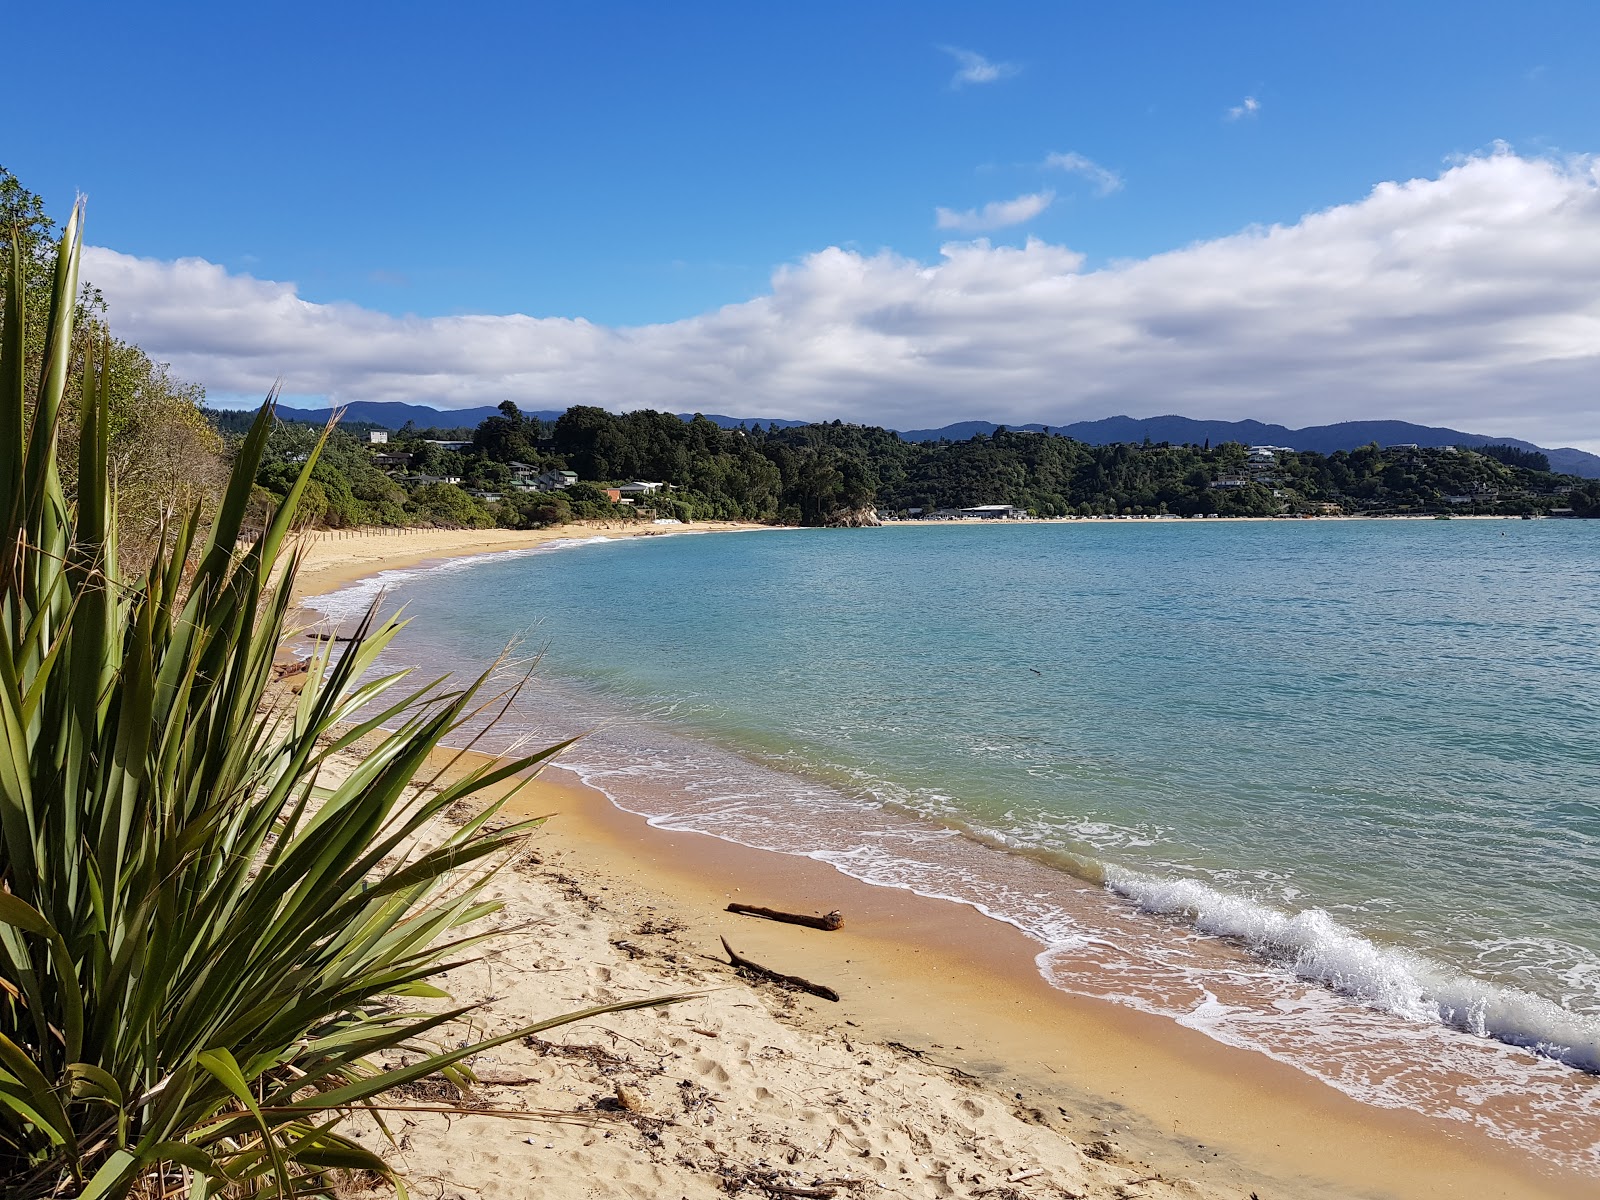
[[837, 473]]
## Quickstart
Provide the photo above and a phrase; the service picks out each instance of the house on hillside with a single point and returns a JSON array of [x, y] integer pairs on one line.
[[392, 461], [549, 481], [377, 437], [639, 488], [1262, 461]]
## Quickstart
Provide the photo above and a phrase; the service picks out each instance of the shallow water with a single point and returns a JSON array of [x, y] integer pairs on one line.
[[1326, 790]]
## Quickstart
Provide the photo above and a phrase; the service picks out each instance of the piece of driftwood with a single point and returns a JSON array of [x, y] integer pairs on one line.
[[330, 637], [805, 985], [789, 1189], [834, 920]]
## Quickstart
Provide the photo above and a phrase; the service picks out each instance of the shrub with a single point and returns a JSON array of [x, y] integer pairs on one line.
[[202, 934]]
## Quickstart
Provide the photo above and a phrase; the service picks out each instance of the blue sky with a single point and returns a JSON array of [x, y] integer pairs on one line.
[[631, 164]]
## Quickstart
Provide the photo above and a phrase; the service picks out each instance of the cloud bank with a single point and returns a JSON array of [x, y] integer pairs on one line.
[[1470, 300]]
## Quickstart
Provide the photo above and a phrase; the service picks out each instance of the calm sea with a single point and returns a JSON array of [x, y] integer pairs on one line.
[[1326, 790]]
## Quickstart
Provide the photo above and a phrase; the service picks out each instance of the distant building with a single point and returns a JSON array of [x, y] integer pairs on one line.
[[639, 487], [450, 445], [377, 437], [994, 512], [550, 481], [396, 460], [1230, 481]]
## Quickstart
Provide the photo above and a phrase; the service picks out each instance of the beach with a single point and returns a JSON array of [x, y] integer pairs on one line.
[[336, 557], [948, 1066]]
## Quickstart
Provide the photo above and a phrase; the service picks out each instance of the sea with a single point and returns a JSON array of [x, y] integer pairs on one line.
[[1328, 791]]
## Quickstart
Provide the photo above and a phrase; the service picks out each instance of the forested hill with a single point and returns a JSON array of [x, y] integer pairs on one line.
[[1325, 439], [837, 473]]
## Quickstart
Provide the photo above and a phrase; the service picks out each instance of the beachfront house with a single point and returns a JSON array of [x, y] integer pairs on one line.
[[994, 512], [632, 491]]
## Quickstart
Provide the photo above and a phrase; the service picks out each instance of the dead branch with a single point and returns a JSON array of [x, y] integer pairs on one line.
[[831, 922], [794, 981]]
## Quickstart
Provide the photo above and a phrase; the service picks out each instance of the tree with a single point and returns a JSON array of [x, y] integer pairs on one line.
[[446, 505], [163, 454]]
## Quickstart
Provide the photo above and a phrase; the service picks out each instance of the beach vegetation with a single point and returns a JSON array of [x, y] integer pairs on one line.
[[165, 454], [218, 939]]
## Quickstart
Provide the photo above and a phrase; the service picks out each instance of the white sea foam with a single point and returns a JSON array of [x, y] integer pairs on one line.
[[351, 602], [1318, 948]]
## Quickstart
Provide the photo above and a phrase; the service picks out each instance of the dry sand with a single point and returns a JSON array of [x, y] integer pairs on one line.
[[336, 557], [948, 1067]]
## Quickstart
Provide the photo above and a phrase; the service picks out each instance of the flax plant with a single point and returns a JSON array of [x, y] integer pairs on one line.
[[207, 941]]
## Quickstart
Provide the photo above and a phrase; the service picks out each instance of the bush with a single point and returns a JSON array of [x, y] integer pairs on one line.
[[202, 936]]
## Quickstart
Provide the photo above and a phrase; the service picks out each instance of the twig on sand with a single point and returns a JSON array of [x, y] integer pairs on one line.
[[831, 922], [794, 981]]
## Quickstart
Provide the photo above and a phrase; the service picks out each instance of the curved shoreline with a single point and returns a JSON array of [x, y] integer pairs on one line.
[[937, 972]]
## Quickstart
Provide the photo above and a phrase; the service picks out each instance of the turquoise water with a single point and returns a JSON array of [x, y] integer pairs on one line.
[[1328, 790]]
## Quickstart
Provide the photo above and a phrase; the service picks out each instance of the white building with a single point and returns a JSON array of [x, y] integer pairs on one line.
[[640, 487]]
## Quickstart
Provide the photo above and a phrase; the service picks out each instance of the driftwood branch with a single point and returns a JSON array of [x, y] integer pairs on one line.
[[834, 920], [805, 985]]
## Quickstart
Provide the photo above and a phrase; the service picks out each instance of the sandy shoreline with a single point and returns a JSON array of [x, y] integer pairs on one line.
[[1099, 1100], [335, 558]]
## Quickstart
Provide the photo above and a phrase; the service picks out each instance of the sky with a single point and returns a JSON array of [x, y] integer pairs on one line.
[[896, 213]]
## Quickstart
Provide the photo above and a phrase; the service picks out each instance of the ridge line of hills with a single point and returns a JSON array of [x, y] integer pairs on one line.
[[1178, 430]]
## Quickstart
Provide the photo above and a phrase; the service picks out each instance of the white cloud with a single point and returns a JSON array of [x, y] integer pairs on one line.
[[1249, 108], [997, 214], [1104, 179], [1467, 300], [975, 68]]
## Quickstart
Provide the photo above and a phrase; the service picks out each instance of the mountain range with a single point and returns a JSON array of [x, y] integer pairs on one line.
[[1324, 439]]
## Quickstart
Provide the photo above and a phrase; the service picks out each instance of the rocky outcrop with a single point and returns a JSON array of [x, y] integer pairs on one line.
[[853, 518]]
